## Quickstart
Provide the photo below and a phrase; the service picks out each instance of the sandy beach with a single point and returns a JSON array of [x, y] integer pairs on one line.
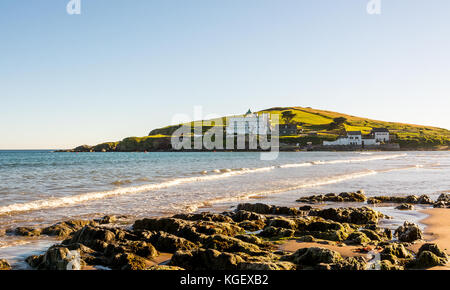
[[437, 231]]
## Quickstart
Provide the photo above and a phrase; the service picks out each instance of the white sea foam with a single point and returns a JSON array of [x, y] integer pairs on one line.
[[220, 173]]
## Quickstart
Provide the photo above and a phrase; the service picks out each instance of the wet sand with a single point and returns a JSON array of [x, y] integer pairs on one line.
[[437, 231]]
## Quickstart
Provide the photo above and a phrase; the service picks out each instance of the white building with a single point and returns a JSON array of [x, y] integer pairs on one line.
[[381, 134], [251, 123], [353, 138]]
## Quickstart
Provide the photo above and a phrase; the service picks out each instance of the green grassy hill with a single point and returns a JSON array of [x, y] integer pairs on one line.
[[315, 125]]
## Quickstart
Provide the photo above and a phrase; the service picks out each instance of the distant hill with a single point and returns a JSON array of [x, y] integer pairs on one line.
[[315, 126]]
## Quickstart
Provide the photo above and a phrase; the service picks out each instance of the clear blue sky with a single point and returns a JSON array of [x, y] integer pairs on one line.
[[122, 68]]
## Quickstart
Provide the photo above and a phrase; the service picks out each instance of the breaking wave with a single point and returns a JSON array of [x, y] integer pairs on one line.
[[206, 176]]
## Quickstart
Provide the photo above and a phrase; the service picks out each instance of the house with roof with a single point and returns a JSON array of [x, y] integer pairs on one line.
[[381, 134], [356, 138]]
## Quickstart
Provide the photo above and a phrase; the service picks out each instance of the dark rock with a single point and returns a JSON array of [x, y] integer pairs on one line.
[[360, 216], [273, 232], [350, 264], [57, 258], [169, 243], [408, 233], [358, 238], [394, 252], [128, 261], [358, 196], [313, 256], [429, 255], [232, 245], [305, 208], [4, 265], [108, 219], [281, 222], [193, 231], [257, 208], [252, 226], [386, 265], [206, 259], [267, 209], [28, 232], [204, 217], [65, 229], [405, 206], [243, 215], [425, 199]]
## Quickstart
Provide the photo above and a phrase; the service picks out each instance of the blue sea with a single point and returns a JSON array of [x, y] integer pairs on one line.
[[39, 188]]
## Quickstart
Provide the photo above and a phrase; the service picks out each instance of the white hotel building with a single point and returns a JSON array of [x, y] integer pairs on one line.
[[250, 124]]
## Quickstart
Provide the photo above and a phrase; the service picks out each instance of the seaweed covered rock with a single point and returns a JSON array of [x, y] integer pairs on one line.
[[205, 259], [410, 199], [232, 245], [429, 255], [27, 232], [350, 264], [252, 226], [360, 216], [443, 201], [57, 258], [243, 215], [267, 209], [169, 243], [313, 256], [387, 265], [129, 261], [358, 196], [273, 232], [66, 228], [408, 232], [395, 253], [357, 238], [4, 265], [194, 231], [405, 206], [282, 222], [94, 237], [204, 216]]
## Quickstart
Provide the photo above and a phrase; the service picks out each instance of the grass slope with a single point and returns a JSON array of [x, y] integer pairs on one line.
[[315, 125]]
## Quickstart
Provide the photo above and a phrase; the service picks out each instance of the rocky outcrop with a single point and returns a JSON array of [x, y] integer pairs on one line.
[[66, 228], [429, 255], [410, 199], [405, 206], [443, 201], [268, 209], [206, 259], [409, 232], [244, 239], [358, 196], [363, 215]]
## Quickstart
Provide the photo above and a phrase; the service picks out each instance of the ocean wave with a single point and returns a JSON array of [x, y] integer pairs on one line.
[[221, 173]]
